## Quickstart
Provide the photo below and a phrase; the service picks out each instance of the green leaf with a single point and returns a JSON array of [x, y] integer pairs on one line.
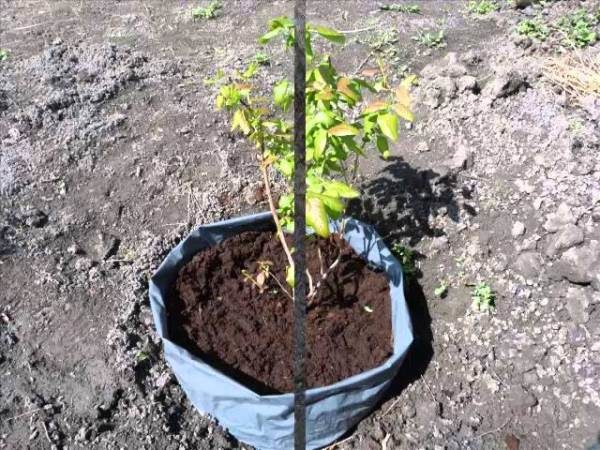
[[404, 112], [282, 94], [343, 129], [340, 189], [330, 34], [344, 85], [286, 167], [402, 94], [333, 205], [389, 125], [383, 146], [375, 107], [316, 216], [308, 49], [441, 290], [240, 121], [320, 142], [265, 38], [289, 276], [250, 70]]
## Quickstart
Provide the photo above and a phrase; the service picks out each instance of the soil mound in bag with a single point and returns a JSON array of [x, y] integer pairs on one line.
[[267, 421]]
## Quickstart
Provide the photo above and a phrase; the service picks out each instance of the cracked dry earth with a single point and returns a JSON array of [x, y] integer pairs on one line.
[[110, 152]]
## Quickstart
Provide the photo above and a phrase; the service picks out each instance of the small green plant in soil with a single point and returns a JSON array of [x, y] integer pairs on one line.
[[340, 129], [534, 29], [407, 259], [483, 297], [578, 29], [482, 7], [261, 58], [382, 41], [3, 54], [395, 7], [207, 12], [431, 39], [442, 289]]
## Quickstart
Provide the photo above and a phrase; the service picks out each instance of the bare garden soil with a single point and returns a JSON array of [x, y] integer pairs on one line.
[[220, 315]]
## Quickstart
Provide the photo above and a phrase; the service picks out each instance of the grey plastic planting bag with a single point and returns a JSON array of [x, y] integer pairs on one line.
[[267, 421]]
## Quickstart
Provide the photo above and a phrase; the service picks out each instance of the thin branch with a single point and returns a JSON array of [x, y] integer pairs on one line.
[[310, 284], [280, 235], [322, 267], [429, 389], [358, 30], [394, 403], [337, 444], [22, 415], [333, 265], [365, 61], [46, 431], [495, 430], [281, 286]]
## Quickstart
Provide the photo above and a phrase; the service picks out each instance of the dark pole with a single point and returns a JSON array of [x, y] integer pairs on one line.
[[299, 225]]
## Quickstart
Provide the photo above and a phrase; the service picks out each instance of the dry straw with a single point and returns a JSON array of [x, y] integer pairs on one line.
[[576, 73]]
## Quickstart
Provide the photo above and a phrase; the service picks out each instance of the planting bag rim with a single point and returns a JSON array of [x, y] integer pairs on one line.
[[266, 421]]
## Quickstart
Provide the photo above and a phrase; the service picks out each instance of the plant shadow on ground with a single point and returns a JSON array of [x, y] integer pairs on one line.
[[400, 199], [399, 203]]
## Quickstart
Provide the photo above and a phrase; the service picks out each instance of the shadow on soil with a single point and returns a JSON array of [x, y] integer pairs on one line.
[[401, 198]]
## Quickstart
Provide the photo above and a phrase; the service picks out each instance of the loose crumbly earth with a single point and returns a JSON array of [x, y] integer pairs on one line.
[[218, 313], [110, 152]]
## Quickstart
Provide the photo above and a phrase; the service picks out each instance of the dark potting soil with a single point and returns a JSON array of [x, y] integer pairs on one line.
[[246, 332]]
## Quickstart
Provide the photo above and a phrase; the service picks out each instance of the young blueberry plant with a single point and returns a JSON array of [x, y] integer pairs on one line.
[[340, 128]]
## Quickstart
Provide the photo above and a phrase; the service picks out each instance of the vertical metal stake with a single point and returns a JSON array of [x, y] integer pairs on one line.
[[299, 225]]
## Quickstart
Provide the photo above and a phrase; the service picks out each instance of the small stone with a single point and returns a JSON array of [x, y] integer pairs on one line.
[[529, 265], [83, 264], [82, 434], [518, 229], [439, 243], [408, 410], [75, 249], [568, 237], [580, 265], [563, 216], [107, 245], [530, 378], [520, 4], [468, 83], [596, 214], [253, 193], [447, 86], [505, 84], [462, 158], [422, 147], [577, 303], [520, 399], [34, 218], [452, 66]]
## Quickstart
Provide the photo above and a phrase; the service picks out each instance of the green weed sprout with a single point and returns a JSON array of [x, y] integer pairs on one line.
[[483, 298]]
